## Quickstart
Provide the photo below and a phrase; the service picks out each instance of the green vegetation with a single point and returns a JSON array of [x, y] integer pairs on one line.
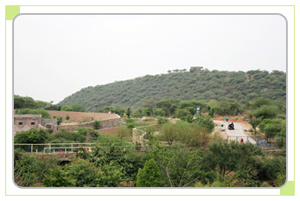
[[75, 108], [210, 85], [44, 113], [28, 102], [183, 154], [149, 176]]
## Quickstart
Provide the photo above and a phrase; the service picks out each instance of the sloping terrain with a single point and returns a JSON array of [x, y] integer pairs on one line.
[[81, 116], [203, 85]]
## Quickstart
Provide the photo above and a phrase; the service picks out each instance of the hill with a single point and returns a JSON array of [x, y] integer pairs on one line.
[[194, 85]]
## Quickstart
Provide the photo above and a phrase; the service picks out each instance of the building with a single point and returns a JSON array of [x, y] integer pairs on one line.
[[196, 68], [25, 122]]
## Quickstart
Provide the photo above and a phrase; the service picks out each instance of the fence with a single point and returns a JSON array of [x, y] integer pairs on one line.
[[66, 147], [54, 148]]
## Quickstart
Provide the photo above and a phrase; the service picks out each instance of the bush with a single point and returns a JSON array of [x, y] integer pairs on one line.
[[30, 170], [149, 176], [96, 125], [44, 113], [33, 136]]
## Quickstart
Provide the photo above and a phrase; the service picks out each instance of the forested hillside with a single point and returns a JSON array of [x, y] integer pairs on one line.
[[202, 85]]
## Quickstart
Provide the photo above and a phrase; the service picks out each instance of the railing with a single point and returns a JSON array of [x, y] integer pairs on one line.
[[62, 147], [55, 147]]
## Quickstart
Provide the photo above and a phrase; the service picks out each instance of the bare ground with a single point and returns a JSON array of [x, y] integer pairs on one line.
[[76, 117]]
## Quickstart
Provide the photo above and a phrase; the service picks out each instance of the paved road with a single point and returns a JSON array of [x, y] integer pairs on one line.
[[237, 134]]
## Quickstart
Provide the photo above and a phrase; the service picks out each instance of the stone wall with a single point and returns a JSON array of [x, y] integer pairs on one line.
[[107, 123]]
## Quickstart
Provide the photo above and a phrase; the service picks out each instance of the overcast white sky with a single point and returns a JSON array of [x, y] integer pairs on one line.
[[57, 55]]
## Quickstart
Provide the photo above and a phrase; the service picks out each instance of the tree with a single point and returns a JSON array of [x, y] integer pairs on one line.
[[168, 133], [42, 112], [59, 178], [33, 136], [96, 125], [271, 127], [30, 170], [159, 112], [83, 172], [128, 113], [66, 108], [67, 116], [149, 176], [266, 112], [259, 102], [59, 120], [168, 105], [205, 122]]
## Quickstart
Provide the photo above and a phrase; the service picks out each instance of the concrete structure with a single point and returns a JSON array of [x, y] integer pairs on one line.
[[196, 68], [25, 122]]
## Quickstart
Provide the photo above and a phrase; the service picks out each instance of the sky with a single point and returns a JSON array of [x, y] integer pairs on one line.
[[57, 55]]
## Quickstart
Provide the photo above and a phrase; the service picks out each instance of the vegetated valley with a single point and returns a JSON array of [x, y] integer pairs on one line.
[[163, 141]]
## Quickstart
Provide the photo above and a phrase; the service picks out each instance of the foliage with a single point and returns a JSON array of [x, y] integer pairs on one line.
[[58, 178], [116, 110], [33, 136], [149, 176], [44, 113], [96, 125], [162, 120], [241, 86], [130, 123], [83, 172], [178, 165], [205, 122], [259, 102], [30, 170], [159, 112], [192, 135], [80, 135], [67, 116], [266, 112], [128, 113], [59, 120], [75, 108], [273, 127], [28, 102]]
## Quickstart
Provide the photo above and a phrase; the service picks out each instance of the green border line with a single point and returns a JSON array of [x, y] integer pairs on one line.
[[159, 5], [13, 10]]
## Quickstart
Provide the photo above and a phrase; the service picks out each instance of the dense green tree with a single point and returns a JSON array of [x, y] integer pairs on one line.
[[59, 177], [149, 176], [272, 127], [266, 112], [96, 125], [83, 172], [205, 122], [145, 91], [75, 108], [168, 105], [42, 112], [33, 136], [23, 102], [258, 102], [159, 112], [30, 169]]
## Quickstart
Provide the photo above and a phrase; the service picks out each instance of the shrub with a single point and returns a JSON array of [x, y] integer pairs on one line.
[[149, 176]]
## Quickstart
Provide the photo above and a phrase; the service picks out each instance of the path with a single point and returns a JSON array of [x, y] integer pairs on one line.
[[237, 134]]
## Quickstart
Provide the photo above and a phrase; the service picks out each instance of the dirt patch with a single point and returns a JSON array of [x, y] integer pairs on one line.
[[108, 131], [76, 117]]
